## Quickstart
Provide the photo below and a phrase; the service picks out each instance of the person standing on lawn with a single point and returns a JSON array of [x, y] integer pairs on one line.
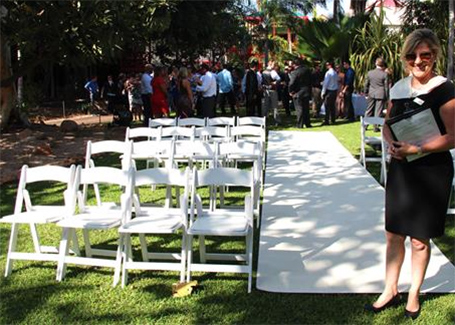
[[348, 88], [146, 92], [93, 89], [300, 92], [329, 93], [417, 190], [376, 90], [207, 88]]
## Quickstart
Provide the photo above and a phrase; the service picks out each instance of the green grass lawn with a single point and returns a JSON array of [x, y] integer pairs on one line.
[[32, 296]]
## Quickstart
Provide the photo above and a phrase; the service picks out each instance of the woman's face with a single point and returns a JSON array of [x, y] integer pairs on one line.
[[420, 62]]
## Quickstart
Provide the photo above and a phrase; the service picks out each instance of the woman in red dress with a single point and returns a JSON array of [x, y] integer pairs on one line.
[[160, 107]]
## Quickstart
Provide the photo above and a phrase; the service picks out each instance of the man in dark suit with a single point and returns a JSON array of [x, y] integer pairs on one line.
[[110, 93], [376, 89], [251, 91], [300, 91]]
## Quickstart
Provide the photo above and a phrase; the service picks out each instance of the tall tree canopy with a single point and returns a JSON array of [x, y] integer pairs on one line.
[[197, 26], [77, 33]]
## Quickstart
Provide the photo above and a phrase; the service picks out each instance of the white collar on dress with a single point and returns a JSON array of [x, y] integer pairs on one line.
[[403, 89]]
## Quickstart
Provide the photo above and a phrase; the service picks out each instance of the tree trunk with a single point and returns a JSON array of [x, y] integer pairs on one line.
[[7, 98], [451, 40], [358, 6], [336, 10]]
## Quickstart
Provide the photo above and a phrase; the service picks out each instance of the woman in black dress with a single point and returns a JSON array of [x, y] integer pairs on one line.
[[420, 174]]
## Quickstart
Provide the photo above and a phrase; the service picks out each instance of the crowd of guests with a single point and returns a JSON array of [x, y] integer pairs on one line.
[[189, 91]]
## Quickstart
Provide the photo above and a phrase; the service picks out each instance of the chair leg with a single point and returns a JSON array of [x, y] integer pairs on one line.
[[118, 260], [189, 247], [63, 251], [127, 257], [143, 241], [76, 249], [11, 248], [202, 249], [35, 237], [249, 247], [183, 258], [97, 194], [88, 245]]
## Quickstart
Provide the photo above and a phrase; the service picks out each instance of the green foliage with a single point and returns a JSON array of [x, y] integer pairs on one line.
[[281, 14], [327, 40], [77, 33], [375, 40], [196, 27]]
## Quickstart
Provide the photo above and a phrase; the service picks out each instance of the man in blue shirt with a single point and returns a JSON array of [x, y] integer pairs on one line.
[[226, 89], [93, 89], [347, 90], [146, 92]]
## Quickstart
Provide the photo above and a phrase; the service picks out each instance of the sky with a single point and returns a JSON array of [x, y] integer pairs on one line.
[[328, 11], [320, 9]]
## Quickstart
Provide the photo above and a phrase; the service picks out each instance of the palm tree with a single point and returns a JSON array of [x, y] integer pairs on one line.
[[336, 10], [281, 13], [358, 6]]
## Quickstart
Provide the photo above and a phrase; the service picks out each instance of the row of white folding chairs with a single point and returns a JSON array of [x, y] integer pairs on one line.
[[226, 154], [206, 133], [197, 221], [212, 121]]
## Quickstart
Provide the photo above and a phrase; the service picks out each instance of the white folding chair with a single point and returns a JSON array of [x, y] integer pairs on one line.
[[194, 153], [213, 134], [221, 222], [143, 133], [158, 152], [252, 133], [178, 133], [123, 148], [374, 142], [221, 121], [39, 214], [96, 218], [159, 221], [163, 121], [252, 120], [191, 121], [230, 153]]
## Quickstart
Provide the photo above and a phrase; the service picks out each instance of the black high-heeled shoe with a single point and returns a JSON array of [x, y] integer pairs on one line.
[[412, 314], [396, 300]]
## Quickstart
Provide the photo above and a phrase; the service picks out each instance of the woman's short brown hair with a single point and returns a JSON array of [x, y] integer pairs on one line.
[[422, 35]]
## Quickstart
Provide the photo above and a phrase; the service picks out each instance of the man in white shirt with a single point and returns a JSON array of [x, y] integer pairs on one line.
[[146, 92], [207, 87], [329, 93]]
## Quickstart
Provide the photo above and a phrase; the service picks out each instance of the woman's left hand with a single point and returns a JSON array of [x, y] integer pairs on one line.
[[400, 149]]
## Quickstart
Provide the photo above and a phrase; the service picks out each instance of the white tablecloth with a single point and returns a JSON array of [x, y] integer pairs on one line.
[[360, 104]]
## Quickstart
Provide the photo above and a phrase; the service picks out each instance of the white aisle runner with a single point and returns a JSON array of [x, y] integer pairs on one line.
[[322, 225]]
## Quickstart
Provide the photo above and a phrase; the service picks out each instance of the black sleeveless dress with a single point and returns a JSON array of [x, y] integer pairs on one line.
[[417, 192]]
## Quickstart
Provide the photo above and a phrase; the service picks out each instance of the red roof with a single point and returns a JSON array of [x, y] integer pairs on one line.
[[387, 4]]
